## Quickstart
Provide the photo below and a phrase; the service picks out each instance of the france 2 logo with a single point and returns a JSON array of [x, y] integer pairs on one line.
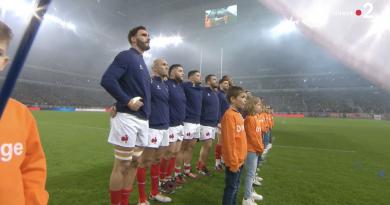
[[367, 12]]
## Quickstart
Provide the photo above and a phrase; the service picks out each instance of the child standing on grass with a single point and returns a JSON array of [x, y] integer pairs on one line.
[[22, 161], [234, 145], [271, 126], [255, 148]]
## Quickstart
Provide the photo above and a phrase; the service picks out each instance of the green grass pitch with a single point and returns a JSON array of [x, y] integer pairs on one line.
[[313, 161]]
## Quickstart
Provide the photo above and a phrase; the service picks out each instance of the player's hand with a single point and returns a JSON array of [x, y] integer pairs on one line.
[[113, 111], [135, 104]]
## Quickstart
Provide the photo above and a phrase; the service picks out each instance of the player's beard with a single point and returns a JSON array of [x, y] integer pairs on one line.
[[223, 89], [213, 86], [143, 45], [178, 79]]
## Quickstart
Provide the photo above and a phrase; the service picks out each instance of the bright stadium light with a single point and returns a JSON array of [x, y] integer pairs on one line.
[[164, 41], [379, 24], [64, 24], [284, 27], [232, 9], [25, 9], [20, 8], [316, 16]]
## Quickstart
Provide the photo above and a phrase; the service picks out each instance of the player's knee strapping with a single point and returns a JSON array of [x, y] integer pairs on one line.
[[124, 155], [137, 153]]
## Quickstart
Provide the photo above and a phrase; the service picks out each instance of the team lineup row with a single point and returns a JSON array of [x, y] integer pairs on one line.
[[155, 124], [157, 120]]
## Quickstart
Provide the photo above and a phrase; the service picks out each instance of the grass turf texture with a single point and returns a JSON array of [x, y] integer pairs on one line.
[[313, 161]]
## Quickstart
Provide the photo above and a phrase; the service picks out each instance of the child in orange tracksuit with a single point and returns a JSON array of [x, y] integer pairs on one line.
[[271, 125], [255, 148], [262, 118], [234, 144], [22, 161]]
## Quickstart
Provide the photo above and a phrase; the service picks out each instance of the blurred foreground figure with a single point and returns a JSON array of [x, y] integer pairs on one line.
[[22, 160]]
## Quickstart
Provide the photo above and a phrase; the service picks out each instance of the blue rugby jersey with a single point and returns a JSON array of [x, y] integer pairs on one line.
[[159, 118], [210, 108], [177, 103], [194, 102], [128, 77], [223, 104]]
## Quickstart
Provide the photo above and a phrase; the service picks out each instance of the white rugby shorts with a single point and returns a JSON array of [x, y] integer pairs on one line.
[[128, 130]]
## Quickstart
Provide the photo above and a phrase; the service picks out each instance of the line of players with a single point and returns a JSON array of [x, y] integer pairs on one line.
[[158, 120]]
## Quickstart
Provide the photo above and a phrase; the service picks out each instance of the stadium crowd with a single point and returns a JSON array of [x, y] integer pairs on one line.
[[287, 94]]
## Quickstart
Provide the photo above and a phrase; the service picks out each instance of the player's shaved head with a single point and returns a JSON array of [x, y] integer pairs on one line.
[[160, 67], [157, 62]]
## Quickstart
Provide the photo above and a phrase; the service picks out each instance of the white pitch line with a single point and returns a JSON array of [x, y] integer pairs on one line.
[[315, 148]]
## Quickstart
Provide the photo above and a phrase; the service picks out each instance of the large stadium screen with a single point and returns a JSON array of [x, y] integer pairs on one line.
[[220, 16]]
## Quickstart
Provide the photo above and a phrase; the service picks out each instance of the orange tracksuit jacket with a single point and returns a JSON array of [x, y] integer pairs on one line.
[[253, 134], [269, 120], [234, 145], [22, 161], [263, 121]]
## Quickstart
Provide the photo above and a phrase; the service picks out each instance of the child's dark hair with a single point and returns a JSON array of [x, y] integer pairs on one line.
[[5, 33], [234, 91]]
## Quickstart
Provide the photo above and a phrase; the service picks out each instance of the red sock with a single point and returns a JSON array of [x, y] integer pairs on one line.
[[187, 168], [171, 166], [141, 179], [218, 151], [115, 197], [125, 196], [163, 168], [154, 171], [177, 171], [200, 165]]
